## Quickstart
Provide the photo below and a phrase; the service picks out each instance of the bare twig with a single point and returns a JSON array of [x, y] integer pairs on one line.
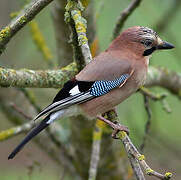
[[26, 15], [95, 155], [148, 123], [31, 98], [124, 15], [147, 94], [156, 97], [20, 111]]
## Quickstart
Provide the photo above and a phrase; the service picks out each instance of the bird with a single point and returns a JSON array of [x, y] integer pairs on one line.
[[109, 79]]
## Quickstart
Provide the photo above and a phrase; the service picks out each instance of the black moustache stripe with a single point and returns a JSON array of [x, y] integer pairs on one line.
[[149, 51]]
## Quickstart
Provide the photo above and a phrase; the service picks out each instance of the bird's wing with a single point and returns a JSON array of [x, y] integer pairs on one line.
[[82, 91]]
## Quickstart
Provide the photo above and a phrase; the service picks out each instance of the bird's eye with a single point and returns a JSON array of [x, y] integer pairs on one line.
[[148, 42]]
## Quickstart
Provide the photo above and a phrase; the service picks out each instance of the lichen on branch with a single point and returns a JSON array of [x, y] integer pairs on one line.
[[25, 15], [37, 78], [74, 11]]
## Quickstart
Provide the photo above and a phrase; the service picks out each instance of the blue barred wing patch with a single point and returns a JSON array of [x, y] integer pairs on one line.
[[100, 88]]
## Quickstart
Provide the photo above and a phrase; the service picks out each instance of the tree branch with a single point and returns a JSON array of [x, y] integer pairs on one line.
[[36, 79], [8, 133], [112, 115], [96, 146], [78, 26], [164, 78], [124, 15], [131, 150], [59, 155], [56, 78], [64, 49], [25, 15]]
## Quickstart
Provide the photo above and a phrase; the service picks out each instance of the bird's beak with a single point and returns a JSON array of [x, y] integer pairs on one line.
[[164, 45]]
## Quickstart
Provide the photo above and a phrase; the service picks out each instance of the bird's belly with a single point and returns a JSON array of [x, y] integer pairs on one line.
[[106, 102]]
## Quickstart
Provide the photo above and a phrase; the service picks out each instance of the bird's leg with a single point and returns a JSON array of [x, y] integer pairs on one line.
[[115, 125]]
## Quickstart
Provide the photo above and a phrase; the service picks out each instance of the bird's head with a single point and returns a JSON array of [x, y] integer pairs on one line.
[[140, 40]]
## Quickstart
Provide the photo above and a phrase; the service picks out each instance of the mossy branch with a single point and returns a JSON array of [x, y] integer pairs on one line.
[[25, 15], [165, 78], [78, 24], [8, 133], [56, 78], [36, 78]]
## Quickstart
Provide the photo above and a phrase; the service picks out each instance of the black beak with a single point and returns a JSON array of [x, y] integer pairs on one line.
[[165, 45]]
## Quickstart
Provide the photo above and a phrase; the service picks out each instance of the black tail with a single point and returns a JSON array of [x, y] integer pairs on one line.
[[30, 135]]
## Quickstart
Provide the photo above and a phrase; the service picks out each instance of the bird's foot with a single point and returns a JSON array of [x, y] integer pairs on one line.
[[115, 125]]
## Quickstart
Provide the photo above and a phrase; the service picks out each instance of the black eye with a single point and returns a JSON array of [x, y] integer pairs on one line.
[[148, 42]]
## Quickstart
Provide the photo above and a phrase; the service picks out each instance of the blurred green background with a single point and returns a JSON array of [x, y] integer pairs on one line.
[[163, 146]]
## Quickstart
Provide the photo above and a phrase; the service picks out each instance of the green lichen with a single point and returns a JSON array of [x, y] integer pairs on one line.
[[4, 33], [67, 17], [168, 175], [141, 158], [82, 39], [22, 20], [74, 5], [5, 134], [85, 3], [121, 135], [149, 171]]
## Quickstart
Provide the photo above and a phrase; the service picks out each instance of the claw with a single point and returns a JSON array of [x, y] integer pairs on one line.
[[116, 127]]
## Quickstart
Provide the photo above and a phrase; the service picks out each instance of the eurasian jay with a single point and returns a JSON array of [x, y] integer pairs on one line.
[[105, 82]]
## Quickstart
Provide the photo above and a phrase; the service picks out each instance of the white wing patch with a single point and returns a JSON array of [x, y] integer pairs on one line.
[[74, 91]]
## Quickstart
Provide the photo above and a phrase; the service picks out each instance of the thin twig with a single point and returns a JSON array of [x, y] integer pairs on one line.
[[26, 15], [96, 145], [157, 97], [124, 15], [17, 109], [136, 168], [112, 115], [147, 94], [131, 150], [148, 123], [31, 98], [6, 134]]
